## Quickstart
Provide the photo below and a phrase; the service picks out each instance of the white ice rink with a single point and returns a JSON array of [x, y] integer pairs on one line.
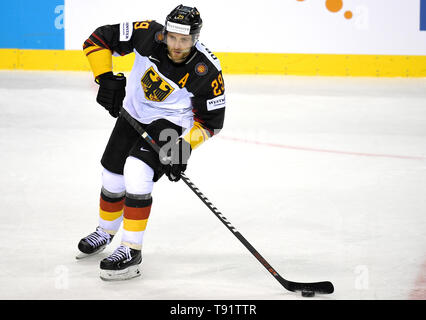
[[325, 177]]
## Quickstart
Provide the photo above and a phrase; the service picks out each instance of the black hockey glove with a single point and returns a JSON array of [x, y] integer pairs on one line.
[[112, 90], [180, 154]]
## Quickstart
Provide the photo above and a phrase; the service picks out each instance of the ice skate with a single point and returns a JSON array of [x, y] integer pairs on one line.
[[94, 243], [122, 264]]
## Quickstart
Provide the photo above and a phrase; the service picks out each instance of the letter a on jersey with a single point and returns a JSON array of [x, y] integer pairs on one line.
[[154, 87]]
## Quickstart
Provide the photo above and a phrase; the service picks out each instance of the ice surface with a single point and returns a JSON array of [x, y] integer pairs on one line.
[[325, 177]]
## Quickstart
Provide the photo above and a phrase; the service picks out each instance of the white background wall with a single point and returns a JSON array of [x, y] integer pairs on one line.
[[286, 26]]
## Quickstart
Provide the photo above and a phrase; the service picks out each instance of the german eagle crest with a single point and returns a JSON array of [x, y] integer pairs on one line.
[[154, 87]]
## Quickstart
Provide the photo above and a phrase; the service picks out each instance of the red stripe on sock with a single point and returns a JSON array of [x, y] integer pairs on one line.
[[111, 206], [137, 213]]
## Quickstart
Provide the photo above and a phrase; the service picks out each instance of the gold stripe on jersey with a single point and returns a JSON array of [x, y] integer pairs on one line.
[[197, 135], [100, 59]]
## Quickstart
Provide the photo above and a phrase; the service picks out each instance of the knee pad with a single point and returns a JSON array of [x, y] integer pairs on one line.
[[138, 177], [112, 182]]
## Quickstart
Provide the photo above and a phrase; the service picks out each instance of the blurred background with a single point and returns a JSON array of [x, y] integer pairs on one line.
[[288, 37]]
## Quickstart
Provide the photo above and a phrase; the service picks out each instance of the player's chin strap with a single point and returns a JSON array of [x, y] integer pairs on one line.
[[324, 287]]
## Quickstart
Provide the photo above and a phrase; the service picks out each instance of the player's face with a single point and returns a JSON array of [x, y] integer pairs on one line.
[[179, 46]]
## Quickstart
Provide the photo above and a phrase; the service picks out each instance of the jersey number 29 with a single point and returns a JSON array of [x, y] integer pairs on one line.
[[218, 86]]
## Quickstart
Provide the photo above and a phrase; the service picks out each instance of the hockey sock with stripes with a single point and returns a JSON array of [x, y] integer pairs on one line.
[[111, 210], [137, 208]]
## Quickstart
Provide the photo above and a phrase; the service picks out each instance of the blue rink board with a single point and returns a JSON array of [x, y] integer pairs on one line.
[[423, 15], [27, 24]]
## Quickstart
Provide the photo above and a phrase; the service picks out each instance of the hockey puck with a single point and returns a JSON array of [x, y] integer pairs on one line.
[[308, 294]]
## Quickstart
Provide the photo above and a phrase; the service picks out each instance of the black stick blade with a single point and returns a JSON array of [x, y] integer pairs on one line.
[[323, 287]]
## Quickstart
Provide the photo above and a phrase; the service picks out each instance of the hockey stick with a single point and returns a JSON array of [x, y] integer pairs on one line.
[[307, 289]]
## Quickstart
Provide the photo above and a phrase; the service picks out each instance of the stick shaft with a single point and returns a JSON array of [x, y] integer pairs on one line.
[[228, 224]]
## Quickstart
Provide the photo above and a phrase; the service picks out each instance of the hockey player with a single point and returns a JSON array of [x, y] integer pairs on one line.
[[176, 92]]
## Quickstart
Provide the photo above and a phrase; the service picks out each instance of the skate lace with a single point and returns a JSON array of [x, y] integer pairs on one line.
[[120, 253], [99, 237]]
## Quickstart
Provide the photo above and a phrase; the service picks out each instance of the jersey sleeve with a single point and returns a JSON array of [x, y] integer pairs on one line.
[[116, 39], [209, 111]]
